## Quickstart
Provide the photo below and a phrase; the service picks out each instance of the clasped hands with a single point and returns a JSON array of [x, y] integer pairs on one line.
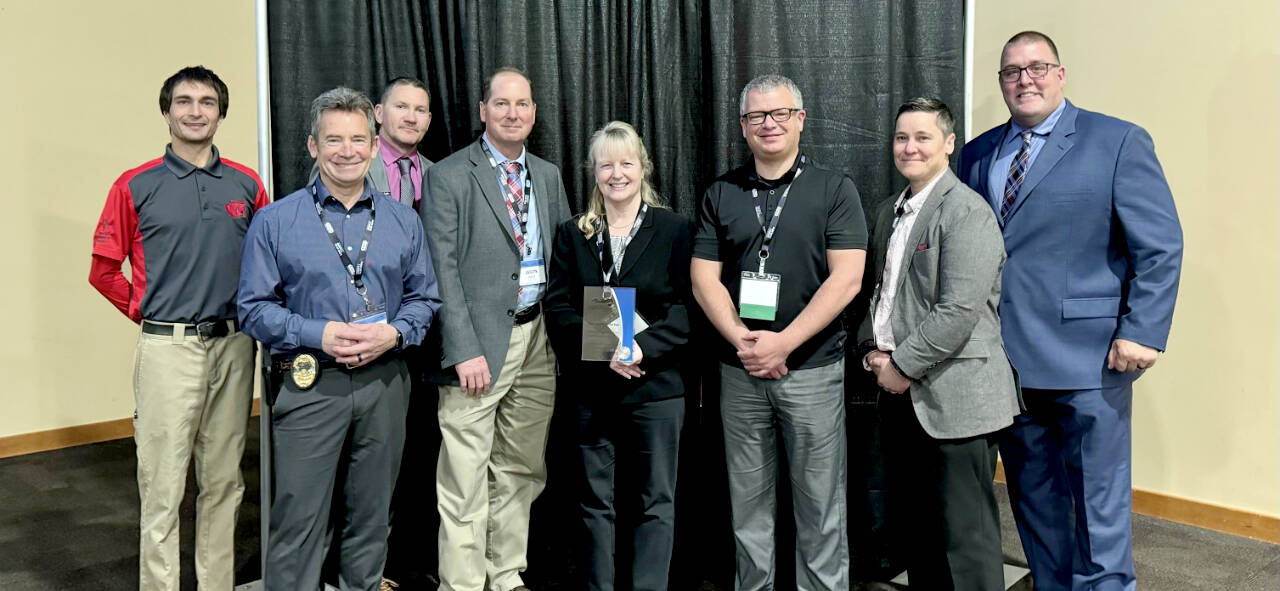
[[357, 345], [887, 375], [764, 353]]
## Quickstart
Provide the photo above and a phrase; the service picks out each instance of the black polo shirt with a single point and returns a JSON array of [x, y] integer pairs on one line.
[[823, 212]]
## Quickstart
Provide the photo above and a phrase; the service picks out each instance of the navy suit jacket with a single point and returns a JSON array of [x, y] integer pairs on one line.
[[1094, 246]]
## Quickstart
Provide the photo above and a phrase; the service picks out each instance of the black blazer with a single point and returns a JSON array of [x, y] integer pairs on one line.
[[656, 264]]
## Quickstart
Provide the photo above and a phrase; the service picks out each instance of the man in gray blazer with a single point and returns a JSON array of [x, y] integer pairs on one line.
[[403, 115], [932, 338], [490, 212]]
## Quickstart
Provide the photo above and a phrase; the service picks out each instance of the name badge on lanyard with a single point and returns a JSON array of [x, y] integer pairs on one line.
[[532, 272], [376, 315], [758, 292], [758, 295]]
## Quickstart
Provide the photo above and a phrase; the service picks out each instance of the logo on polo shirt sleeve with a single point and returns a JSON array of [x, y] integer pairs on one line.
[[237, 209], [106, 232]]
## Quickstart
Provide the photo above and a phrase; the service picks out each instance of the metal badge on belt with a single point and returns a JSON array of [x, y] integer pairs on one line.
[[304, 370]]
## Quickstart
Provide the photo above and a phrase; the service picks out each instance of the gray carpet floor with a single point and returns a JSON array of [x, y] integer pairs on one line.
[[68, 521], [1175, 557]]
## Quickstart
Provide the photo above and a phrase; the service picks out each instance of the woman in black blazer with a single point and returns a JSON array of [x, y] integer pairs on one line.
[[628, 412]]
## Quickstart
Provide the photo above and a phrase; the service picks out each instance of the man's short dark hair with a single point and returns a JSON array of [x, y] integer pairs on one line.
[[403, 81], [488, 82], [946, 121], [198, 74], [1032, 37]]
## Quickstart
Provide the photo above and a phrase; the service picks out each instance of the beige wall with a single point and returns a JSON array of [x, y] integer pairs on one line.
[[80, 107], [1205, 81]]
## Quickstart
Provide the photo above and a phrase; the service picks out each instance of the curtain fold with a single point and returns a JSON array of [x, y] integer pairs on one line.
[[672, 68]]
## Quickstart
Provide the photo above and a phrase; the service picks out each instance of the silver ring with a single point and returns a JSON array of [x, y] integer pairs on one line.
[[359, 358]]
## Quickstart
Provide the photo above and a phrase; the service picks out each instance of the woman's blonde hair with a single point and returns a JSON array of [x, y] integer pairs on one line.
[[614, 138]]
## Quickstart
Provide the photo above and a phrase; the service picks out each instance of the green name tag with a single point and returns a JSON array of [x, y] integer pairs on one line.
[[758, 295]]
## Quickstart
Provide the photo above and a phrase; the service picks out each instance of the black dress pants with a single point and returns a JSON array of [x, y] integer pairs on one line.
[[642, 441], [941, 503], [415, 520]]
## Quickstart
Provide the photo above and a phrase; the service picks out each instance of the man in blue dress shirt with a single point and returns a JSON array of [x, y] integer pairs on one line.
[[336, 281]]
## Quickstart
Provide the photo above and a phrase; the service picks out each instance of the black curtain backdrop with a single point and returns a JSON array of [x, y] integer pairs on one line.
[[674, 69]]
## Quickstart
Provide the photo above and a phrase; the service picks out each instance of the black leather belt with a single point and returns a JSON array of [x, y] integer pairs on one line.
[[305, 369], [204, 330], [284, 363], [527, 315]]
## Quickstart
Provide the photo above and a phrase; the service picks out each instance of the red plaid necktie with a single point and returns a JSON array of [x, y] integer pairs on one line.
[[515, 204], [517, 201], [1017, 172]]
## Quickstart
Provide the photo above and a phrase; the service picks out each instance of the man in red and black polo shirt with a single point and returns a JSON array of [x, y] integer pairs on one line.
[[180, 220]]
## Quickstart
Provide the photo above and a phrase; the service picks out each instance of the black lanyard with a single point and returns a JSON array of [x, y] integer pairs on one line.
[[772, 226], [609, 270], [521, 221], [356, 271]]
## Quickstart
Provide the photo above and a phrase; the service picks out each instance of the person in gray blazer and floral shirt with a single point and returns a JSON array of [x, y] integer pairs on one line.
[[932, 338]]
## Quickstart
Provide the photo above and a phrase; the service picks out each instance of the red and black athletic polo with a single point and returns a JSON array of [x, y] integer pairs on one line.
[[181, 228]]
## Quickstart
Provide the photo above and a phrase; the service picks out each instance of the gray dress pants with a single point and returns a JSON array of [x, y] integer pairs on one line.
[[355, 417], [806, 407]]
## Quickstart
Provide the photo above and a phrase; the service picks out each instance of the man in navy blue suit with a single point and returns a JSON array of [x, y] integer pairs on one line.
[[1095, 251]]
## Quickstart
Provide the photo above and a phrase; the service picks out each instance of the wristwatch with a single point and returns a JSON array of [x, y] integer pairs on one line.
[[399, 340]]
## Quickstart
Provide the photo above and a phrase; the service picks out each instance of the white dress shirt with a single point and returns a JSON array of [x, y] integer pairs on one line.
[[882, 302]]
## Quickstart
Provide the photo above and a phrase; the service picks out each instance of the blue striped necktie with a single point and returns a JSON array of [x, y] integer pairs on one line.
[[1017, 172]]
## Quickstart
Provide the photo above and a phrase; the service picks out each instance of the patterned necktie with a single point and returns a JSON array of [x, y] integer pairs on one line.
[[518, 204], [406, 181], [515, 205], [1017, 172]]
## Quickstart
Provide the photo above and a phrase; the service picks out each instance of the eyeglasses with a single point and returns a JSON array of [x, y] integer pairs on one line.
[[778, 115], [1035, 71]]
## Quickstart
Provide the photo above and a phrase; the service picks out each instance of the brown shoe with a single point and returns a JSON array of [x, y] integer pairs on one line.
[[388, 585]]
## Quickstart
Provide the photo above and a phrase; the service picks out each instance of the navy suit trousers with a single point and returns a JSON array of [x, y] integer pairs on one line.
[[1069, 471]]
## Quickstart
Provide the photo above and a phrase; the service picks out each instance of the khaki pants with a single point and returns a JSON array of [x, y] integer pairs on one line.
[[493, 465], [193, 400]]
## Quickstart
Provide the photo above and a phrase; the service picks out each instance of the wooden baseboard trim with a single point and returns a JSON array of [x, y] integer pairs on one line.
[[1207, 515], [29, 443], [1199, 514]]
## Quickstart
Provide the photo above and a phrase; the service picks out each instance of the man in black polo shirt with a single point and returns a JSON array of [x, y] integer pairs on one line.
[[180, 220], [779, 253]]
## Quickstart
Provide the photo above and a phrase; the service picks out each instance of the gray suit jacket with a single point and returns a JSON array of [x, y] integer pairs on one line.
[[944, 317], [476, 261], [378, 175]]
